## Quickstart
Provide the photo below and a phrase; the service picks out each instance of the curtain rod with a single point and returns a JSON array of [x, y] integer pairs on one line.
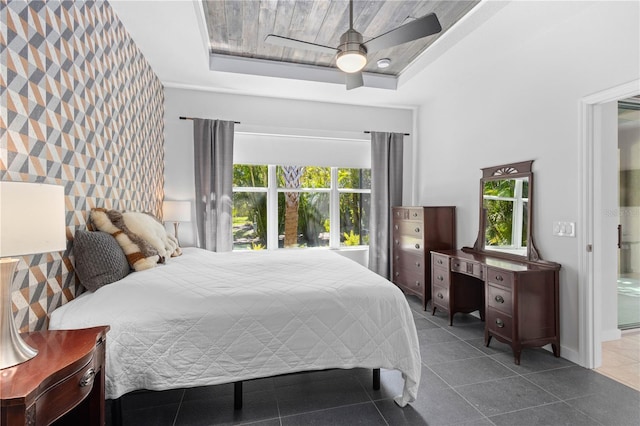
[[191, 118], [406, 134]]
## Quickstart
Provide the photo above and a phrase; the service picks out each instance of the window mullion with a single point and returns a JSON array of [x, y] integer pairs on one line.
[[334, 211], [272, 209]]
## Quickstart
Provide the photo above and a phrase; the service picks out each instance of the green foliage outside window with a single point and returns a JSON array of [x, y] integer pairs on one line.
[[250, 207], [498, 204]]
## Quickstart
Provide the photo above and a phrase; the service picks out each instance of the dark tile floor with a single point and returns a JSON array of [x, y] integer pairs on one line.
[[463, 383]]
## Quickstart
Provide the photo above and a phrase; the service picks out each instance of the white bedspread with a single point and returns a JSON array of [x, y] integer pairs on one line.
[[208, 318]]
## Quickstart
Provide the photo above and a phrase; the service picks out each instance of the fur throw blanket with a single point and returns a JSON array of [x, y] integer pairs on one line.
[[141, 236], [153, 232]]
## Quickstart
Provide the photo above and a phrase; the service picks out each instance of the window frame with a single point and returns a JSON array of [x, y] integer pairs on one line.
[[272, 190]]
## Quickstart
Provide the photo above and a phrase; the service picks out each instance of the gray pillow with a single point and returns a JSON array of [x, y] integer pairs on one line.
[[99, 259]]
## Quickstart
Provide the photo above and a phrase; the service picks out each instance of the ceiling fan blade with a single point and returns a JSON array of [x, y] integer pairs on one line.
[[299, 44], [413, 30], [354, 80]]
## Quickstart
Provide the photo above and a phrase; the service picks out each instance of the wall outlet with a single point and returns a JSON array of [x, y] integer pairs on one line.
[[564, 229]]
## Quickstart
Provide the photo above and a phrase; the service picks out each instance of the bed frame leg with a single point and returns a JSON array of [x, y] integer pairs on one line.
[[116, 412], [237, 395], [376, 379]]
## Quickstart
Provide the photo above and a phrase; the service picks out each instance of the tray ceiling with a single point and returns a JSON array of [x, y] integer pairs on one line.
[[238, 28]]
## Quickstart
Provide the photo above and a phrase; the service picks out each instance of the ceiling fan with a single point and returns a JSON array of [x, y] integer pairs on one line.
[[352, 52]]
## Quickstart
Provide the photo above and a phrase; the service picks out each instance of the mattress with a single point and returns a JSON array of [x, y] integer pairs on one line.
[[208, 318]]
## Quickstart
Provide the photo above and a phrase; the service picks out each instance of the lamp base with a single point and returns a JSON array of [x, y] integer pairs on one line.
[[175, 229], [13, 350]]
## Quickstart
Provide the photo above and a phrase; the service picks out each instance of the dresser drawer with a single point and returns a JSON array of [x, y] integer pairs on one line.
[[500, 323], [411, 279], [65, 395], [408, 261], [440, 296], [466, 267], [440, 277], [411, 244], [439, 260], [408, 213], [500, 298], [500, 277], [408, 228]]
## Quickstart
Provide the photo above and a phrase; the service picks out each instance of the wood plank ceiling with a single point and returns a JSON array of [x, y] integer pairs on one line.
[[239, 27]]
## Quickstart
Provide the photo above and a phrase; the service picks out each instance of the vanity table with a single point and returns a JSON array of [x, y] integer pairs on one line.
[[503, 276]]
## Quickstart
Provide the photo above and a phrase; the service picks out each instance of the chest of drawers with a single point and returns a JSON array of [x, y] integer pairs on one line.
[[518, 300], [417, 231]]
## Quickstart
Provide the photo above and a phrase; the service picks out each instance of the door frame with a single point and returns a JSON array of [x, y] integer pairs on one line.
[[590, 310]]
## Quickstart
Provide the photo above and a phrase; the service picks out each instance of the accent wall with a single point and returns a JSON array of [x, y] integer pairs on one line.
[[81, 108]]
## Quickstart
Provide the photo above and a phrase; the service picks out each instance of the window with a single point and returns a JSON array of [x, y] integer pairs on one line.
[[277, 206]]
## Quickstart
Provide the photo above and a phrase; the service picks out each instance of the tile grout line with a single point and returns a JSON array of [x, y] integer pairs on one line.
[[175, 418], [564, 401]]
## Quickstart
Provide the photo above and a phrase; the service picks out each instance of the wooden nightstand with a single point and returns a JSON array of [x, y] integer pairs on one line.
[[66, 377]]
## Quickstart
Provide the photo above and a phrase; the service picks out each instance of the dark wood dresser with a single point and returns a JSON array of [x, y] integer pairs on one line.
[[518, 299], [64, 381], [417, 231]]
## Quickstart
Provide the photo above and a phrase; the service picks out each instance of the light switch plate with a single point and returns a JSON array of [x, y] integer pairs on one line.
[[564, 229]]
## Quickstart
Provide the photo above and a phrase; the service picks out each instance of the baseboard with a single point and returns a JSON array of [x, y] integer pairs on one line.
[[612, 334], [571, 355]]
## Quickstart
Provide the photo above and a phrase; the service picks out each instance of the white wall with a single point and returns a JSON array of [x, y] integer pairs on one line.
[[510, 92], [272, 116]]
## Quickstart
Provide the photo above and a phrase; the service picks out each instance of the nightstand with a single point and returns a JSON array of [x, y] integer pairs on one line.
[[64, 381]]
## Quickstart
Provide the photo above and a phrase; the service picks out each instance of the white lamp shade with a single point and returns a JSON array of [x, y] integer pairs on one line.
[[32, 218], [176, 211]]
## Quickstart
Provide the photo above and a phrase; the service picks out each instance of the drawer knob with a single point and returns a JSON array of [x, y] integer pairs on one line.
[[440, 296], [499, 278], [417, 246], [418, 264], [415, 214], [397, 274], [499, 323], [396, 227], [417, 229], [87, 379], [418, 283], [499, 299], [440, 278], [457, 265], [439, 261]]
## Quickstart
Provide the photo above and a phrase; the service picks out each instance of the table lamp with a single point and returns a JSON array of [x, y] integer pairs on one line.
[[32, 220], [176, 212]]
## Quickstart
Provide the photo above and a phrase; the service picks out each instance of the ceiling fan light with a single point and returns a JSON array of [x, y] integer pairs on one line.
[[351, 61]]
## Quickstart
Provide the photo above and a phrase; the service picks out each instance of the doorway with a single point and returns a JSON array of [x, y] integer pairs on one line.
[[628, 283], [595, 320]]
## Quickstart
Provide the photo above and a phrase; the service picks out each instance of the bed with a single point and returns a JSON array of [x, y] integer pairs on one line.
[[208, 318]]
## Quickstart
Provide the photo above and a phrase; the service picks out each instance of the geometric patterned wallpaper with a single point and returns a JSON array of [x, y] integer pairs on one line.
[[80, 107]]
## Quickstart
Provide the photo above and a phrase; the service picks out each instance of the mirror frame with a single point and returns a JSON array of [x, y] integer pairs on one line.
[[507, 171]]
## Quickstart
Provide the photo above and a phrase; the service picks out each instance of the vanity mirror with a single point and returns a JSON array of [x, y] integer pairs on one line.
[[506, 212]]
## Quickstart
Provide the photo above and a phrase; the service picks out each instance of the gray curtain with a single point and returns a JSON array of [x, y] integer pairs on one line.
[[386, 191], [213, 154]]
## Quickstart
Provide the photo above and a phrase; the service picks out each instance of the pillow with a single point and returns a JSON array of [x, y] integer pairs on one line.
[[152, 231], [140, 254], [99, 259]]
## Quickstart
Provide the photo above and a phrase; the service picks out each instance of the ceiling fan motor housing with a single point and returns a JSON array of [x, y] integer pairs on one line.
[[351, 47]]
